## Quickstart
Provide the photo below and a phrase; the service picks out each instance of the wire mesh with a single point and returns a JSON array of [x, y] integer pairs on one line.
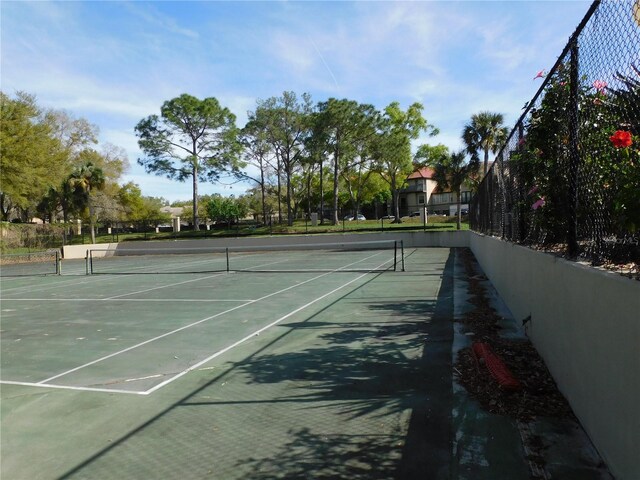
[[369, 256], [31, 263], [568, 178]]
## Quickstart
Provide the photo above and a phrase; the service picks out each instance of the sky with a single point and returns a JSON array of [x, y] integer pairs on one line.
[[116, 62]]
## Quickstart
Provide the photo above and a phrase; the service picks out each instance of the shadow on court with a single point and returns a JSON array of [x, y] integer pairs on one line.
[[360, 390]]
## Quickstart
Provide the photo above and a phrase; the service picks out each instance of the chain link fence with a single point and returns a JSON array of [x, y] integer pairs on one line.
[[568, 178], [30, 237]]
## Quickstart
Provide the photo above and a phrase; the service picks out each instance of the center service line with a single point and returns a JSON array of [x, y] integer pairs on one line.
[[251, 335]]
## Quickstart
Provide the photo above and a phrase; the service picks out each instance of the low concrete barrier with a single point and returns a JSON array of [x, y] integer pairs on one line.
[[80, 251], [585, 323]]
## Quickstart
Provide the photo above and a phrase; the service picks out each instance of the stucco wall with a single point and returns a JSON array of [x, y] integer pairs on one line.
[[586, 325]]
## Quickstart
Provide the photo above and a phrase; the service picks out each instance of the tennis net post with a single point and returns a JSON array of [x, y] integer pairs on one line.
[[395, 255]]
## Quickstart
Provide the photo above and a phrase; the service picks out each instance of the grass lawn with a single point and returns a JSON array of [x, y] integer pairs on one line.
[[435, 224]]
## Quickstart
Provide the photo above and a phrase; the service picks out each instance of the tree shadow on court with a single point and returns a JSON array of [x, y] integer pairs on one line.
[[379, 369], [365, 368], [328, 457]]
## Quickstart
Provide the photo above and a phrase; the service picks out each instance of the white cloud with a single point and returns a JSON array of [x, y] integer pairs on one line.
[[151, 15]]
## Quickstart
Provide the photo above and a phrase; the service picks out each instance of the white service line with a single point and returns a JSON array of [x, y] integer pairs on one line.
[[164, 286], [67, 387], [62, 284], [200, 321], [150, 300], [253, 334]]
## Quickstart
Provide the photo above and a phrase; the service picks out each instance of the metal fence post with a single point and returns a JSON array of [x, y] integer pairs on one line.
[[522, 226], [395, 255], [574, 153]]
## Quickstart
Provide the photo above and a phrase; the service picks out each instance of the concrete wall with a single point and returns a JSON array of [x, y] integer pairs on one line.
[[80, 251], [586, 325]]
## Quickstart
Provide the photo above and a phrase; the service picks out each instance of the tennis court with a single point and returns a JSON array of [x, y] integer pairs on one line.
[[299, 364]]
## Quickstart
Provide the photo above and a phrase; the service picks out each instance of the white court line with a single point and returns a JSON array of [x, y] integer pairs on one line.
[[150, 300], [197, 323], [253, 334], [67, 387], [164, 286], [63, 284]]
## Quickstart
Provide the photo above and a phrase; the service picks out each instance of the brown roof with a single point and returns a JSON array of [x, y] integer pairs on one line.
[[424, 172]]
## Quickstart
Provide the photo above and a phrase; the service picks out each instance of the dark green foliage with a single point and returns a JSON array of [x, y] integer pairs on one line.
[[191, 139], [452, 171], [225, 209]]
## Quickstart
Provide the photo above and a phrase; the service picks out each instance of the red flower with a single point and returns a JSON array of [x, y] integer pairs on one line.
[[621, 139]]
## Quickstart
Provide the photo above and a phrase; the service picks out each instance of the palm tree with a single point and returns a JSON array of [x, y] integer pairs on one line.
[[451, 171], [81, 182], [484, 133]]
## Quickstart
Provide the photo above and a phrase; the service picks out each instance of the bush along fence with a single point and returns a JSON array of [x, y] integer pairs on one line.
[[568, 177], [29, 237]]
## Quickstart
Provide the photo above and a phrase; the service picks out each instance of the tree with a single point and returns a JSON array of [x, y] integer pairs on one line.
[[286, 121], [74, 134], [316, 146], [139, 208], [452, 171], [484, 133], [31, 158], [393, 146], [191, 138], [258, 153], [225, 209], [430, 155], [82, 182], [344, 123]]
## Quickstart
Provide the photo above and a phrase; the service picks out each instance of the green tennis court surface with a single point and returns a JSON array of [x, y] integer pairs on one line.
[[228, 375]]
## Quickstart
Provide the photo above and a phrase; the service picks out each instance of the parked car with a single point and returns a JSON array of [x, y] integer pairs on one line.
[[414, 214], [388, 217], [359, 216]]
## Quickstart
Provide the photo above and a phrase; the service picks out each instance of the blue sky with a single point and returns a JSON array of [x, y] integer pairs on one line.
[[115, 63]]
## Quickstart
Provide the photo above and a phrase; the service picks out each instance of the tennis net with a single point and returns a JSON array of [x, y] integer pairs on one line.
[[321, 257], [31, 263]]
